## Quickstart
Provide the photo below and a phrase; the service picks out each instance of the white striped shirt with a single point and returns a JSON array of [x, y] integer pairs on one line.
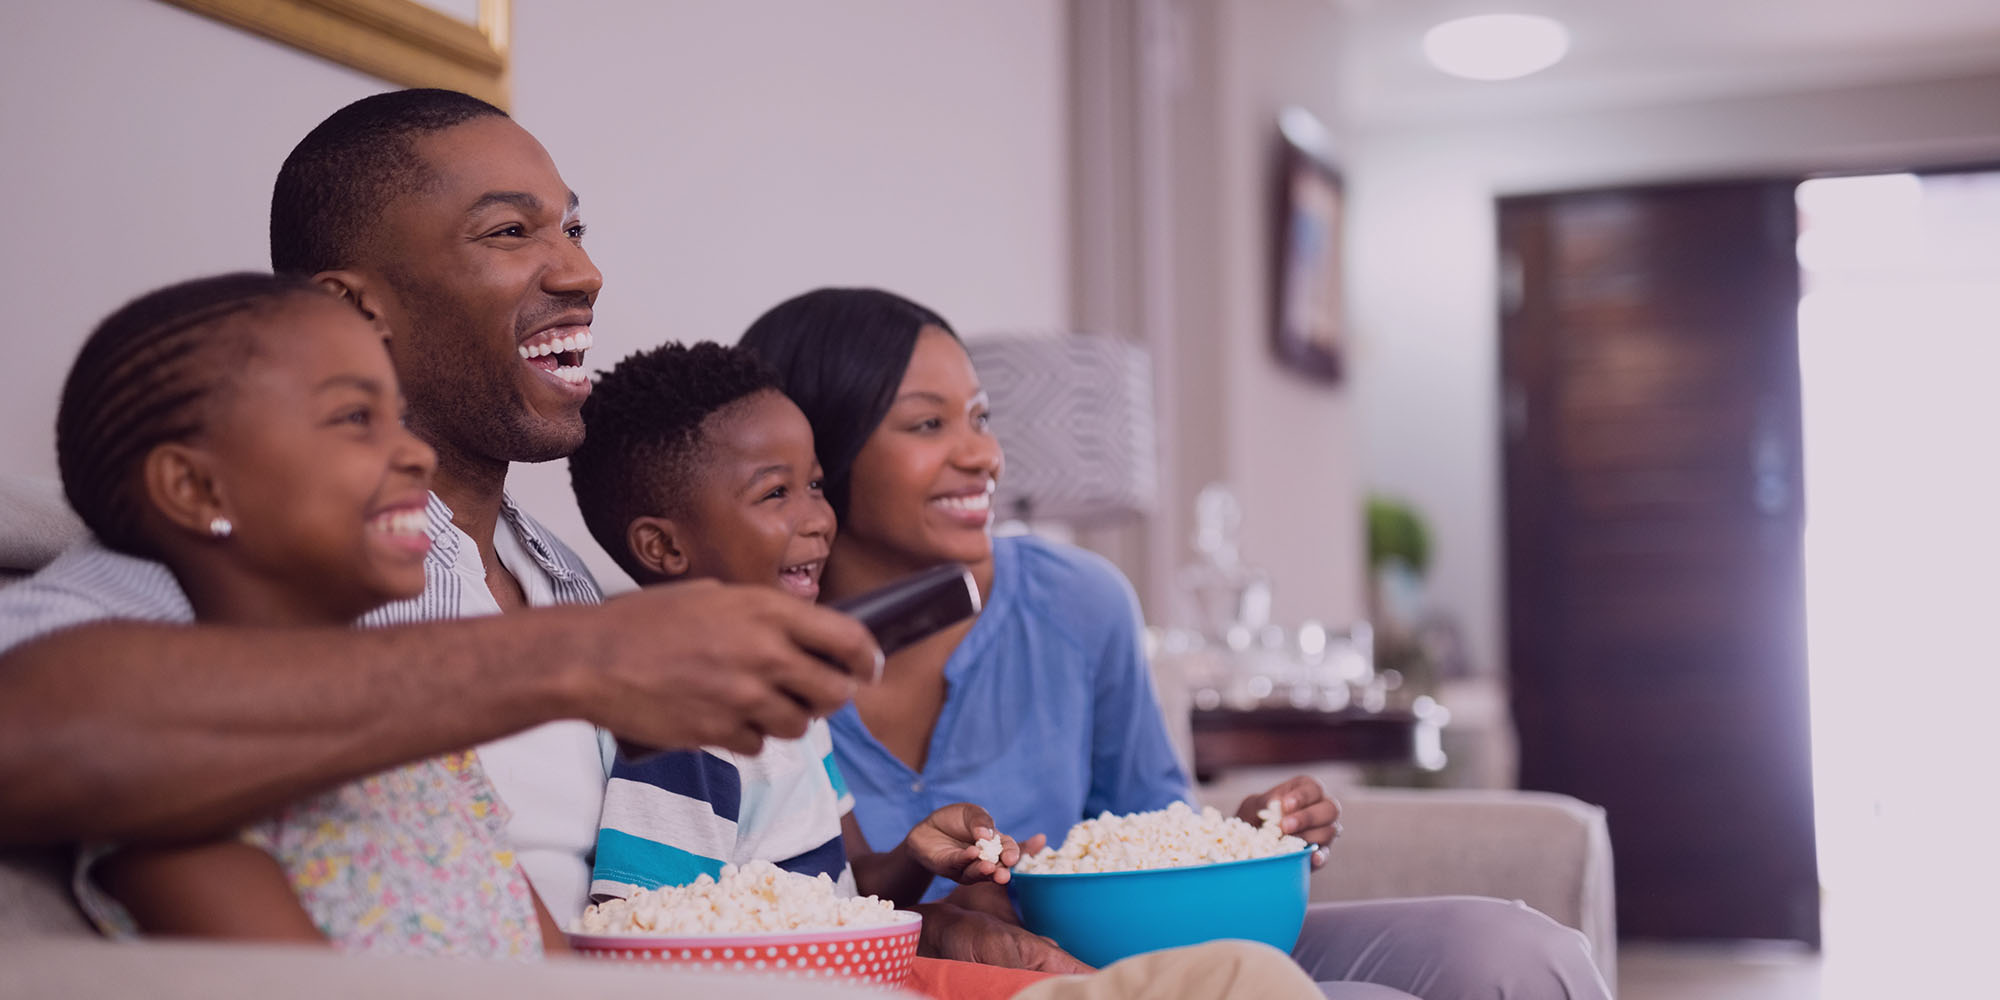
[[90, 583]]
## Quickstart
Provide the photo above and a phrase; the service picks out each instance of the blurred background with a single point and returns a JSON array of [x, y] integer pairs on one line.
[[1674, 354]]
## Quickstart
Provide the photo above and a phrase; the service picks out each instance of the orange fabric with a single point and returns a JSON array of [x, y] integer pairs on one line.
[[944, 979]]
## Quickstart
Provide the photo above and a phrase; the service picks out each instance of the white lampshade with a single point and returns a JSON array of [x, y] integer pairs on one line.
[[1075, 415]]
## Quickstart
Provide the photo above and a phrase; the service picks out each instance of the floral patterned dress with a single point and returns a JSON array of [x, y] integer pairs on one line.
[[411, 861]]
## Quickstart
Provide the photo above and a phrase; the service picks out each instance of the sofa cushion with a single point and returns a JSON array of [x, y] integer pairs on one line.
[[34, 895], [187, 970], [35, 523]]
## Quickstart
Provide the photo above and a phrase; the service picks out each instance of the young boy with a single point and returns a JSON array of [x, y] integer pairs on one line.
[[695, 465]]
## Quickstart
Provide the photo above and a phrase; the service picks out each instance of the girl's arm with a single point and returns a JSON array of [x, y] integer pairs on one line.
[[553, 941], [216, 889]]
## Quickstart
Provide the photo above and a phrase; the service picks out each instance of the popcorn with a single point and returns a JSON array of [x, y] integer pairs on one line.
[[989, 849], [756, 898], [1272, 814], [1173, 837]]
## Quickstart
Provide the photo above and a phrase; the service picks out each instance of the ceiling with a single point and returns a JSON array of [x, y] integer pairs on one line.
[[1632, 52]]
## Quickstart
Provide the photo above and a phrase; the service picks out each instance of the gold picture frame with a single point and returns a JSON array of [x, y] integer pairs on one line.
[[401, 41]]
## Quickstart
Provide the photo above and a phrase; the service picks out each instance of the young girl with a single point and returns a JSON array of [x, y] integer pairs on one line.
[[246, 431]]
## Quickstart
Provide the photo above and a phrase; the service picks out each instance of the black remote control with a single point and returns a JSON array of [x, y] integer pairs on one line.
[[897, 615], [915, 606]]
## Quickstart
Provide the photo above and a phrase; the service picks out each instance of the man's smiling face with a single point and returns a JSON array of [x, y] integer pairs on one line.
[[490, 296]]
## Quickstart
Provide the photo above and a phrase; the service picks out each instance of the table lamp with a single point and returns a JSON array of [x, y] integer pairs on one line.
[[1074, 413]]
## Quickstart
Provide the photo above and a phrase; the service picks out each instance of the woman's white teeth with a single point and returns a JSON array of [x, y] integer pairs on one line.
[[571, 344], [402, 522], [975, 502]]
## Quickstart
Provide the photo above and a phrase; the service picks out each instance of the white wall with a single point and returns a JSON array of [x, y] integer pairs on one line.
[[1423, 279], [141, 142], [731, 155], [728, 155], [1291, 449]]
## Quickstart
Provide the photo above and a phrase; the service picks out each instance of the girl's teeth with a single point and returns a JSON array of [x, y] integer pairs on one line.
[[405, 522]]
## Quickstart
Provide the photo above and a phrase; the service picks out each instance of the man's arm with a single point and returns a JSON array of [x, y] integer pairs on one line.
[[129, 732]]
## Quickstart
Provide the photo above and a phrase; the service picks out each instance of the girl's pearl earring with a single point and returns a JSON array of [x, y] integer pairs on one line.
[[220, 527]]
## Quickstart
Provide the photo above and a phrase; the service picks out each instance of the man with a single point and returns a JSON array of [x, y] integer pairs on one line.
[[447, 224]]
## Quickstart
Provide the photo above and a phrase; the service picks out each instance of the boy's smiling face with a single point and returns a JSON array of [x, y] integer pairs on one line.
[[755, 513]]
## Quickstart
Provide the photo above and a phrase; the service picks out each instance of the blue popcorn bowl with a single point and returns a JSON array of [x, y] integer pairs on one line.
[[1101, 917]]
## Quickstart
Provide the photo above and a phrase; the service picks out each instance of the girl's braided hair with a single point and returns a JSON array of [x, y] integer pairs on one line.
[[145, 377]]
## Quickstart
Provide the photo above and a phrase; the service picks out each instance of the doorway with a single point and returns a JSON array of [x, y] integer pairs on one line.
[[1750, 427], [1899, 339], [1654, 531]]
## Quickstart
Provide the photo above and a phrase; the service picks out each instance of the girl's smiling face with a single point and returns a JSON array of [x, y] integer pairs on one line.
[[921, 488], [324, 486]]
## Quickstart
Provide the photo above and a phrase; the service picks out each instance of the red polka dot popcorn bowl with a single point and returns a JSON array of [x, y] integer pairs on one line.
[[879, 955]]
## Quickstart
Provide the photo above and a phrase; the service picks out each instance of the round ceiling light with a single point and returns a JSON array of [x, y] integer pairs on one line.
[[1496, 46]]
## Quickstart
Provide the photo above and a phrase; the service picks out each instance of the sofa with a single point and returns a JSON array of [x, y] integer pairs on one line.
[[1550, 851]]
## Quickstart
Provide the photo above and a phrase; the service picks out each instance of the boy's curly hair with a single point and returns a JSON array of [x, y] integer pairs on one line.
[[643, 444]]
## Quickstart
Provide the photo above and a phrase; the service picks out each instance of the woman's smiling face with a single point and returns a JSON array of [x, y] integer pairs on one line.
[[921, 489]]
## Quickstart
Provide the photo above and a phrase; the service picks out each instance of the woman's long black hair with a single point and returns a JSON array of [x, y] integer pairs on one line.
[[840, 353]]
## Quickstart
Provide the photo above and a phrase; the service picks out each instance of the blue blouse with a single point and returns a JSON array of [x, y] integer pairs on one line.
[[1049, 713]]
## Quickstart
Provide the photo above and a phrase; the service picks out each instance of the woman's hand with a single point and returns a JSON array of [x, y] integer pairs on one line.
[[946, 843], [1309, 813]]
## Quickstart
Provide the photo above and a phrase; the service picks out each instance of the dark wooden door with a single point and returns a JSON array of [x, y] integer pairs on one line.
[[1654, 574]]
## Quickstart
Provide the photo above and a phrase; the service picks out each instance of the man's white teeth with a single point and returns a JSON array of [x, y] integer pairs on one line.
[[557, 345], [402, 522], [979, 502], [573, 374]]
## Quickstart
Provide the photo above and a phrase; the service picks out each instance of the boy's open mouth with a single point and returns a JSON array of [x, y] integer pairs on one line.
[[802, 579]]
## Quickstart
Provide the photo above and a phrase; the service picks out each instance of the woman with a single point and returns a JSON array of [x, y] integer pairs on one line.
[[1041, 708]]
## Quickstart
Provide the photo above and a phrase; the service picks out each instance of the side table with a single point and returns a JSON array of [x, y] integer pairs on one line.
[[1225, 737]]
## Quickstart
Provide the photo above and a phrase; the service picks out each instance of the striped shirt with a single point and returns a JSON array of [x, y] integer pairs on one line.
[[455, 579], [672, 817], [552, 776], [90, 583]]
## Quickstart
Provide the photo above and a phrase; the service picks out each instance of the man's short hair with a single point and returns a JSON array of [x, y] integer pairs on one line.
[[643, 445], [337, 180]]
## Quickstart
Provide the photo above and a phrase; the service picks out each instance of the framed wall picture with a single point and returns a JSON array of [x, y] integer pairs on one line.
[[1309, 304], [456, 44]]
